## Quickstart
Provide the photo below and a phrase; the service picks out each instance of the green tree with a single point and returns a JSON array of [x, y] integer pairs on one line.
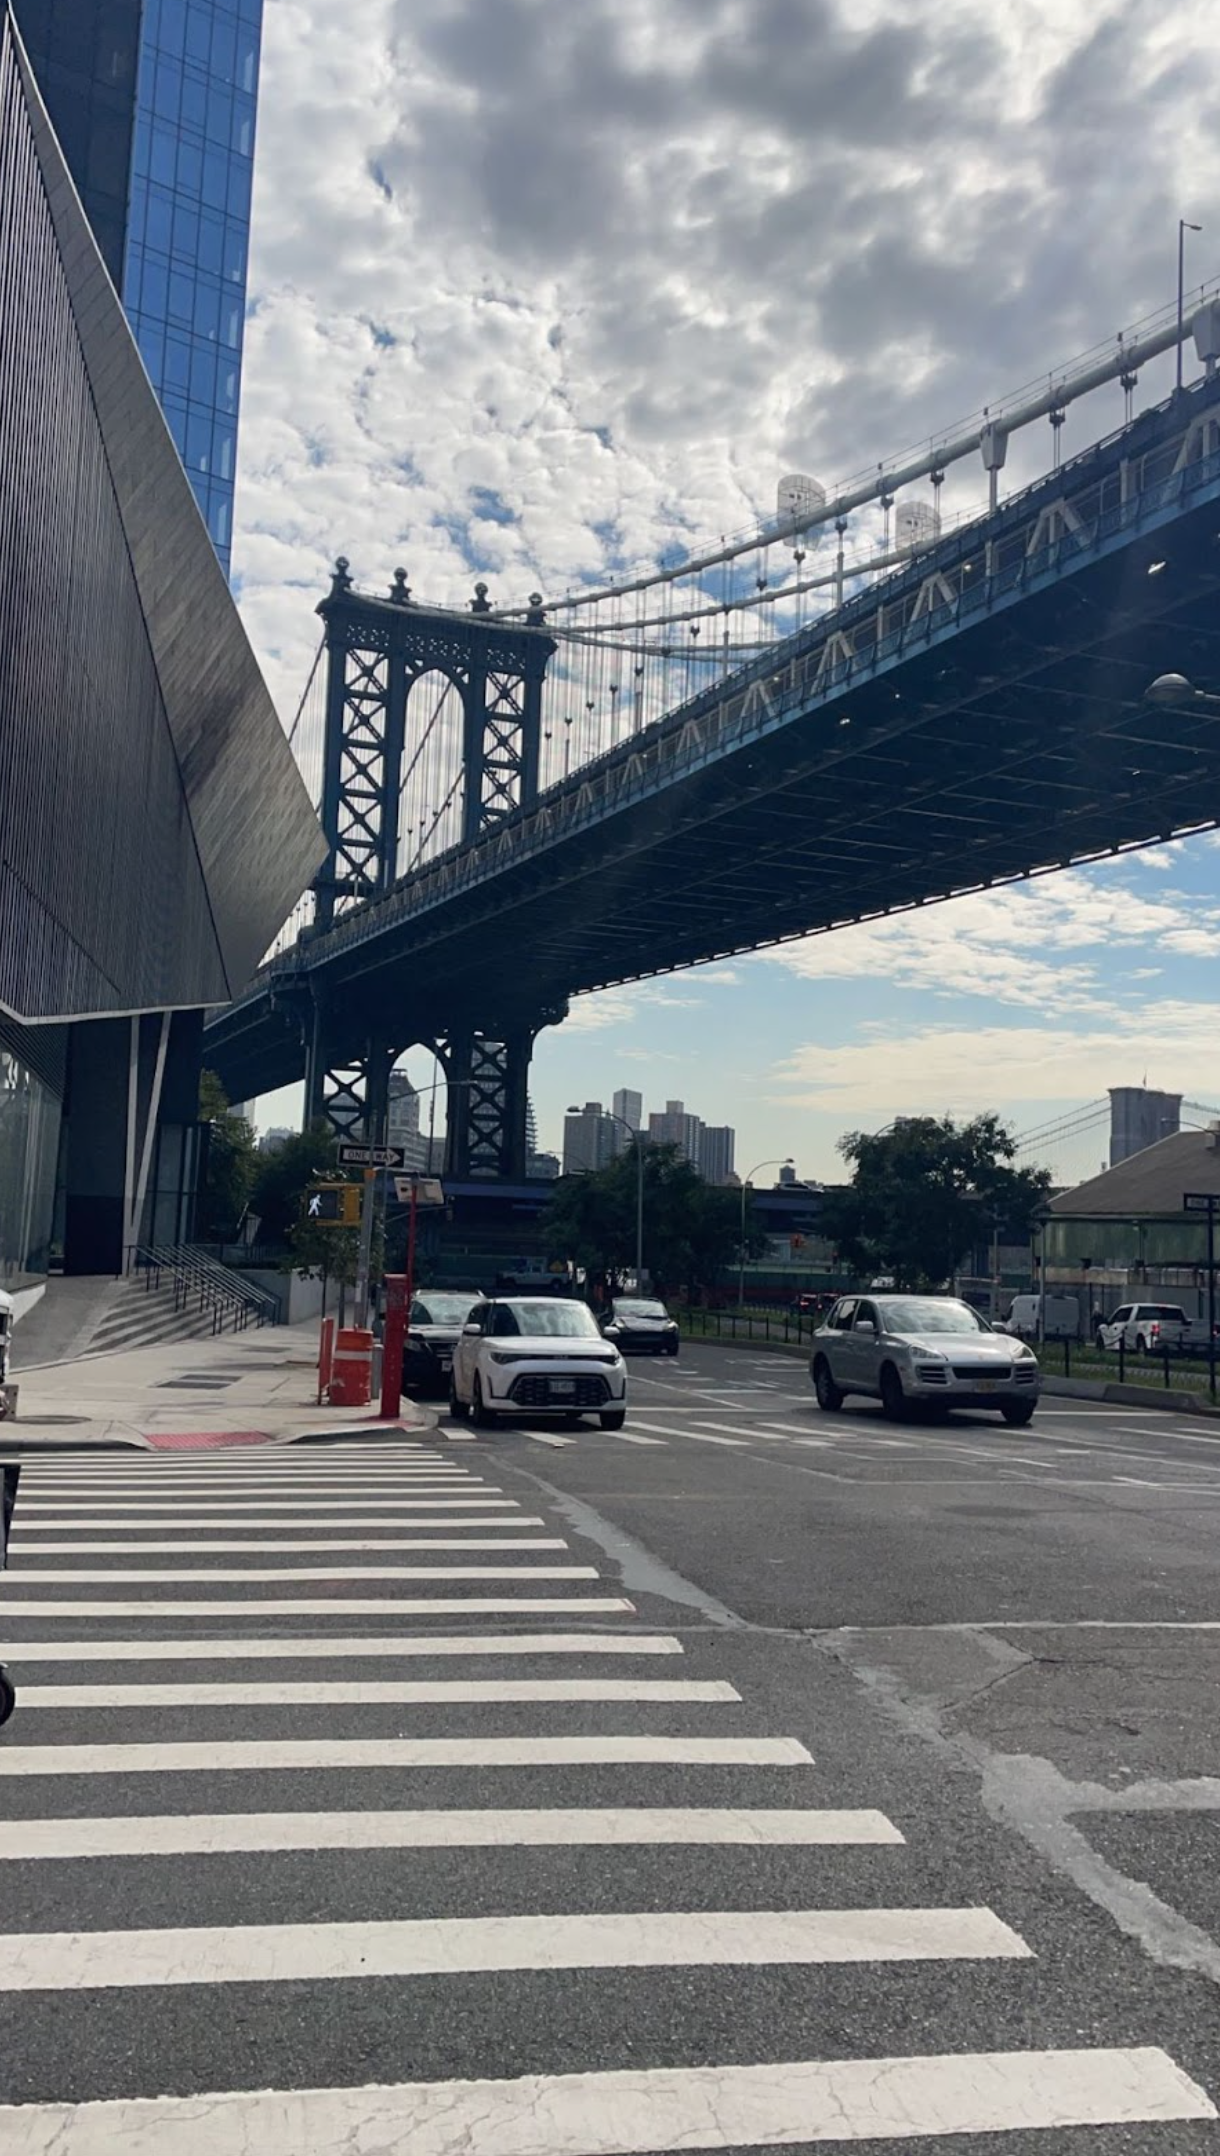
[[691, 1228], [283, 1177], [925, 1193], [230, 1163]]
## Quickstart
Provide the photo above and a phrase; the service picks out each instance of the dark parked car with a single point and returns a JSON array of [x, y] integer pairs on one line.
[[640, 1327], [434, 1327]]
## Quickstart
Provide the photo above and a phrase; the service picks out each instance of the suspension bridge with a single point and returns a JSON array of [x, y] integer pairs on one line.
[[859, 707]]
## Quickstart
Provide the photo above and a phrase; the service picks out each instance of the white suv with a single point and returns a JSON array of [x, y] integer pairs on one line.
[[536, 1355]]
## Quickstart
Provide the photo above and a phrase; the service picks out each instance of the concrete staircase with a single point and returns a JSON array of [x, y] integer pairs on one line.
[[144, 1311]]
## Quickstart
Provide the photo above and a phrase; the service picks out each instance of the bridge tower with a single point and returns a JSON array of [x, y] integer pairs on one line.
[[378, 649]]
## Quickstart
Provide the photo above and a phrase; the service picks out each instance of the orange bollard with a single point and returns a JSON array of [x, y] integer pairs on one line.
[[351, 1381]]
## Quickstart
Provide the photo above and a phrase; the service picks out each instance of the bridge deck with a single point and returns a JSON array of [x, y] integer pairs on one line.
[[980, 716]]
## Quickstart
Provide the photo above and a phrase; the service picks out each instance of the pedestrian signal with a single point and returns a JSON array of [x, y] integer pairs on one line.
[[332, 1205]]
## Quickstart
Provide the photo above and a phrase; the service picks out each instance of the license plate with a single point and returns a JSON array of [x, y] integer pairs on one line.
[[564, 1387], [987, 1384], [445, 1361]]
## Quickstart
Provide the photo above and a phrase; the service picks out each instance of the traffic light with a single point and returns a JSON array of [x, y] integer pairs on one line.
[[332, 1205]]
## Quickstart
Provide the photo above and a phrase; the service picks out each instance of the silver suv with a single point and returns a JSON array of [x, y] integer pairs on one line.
[[930, 1349]]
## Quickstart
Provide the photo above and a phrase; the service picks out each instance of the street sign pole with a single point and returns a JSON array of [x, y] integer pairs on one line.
[[365, 1258], [1206, 1201], [1211, 1300]]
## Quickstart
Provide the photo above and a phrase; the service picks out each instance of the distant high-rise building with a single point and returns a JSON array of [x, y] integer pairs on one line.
[[1139, 1119], [630, 1106], [402, 1124], [678, 1128], [153, 102], [716, 1147], [588, 1139]]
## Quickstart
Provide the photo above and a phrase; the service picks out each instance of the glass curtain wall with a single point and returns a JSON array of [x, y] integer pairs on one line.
[[188, 230], [29, 1153]]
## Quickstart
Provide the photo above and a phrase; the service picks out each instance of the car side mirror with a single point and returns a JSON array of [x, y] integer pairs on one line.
[[866, 1325], [472, 1332]]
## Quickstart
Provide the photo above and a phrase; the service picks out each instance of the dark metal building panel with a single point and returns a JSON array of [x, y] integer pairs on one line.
[[154, 831]]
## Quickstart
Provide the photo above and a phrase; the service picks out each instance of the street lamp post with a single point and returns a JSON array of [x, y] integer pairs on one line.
[[1184, 226], [786, 1162], [638, 1137]]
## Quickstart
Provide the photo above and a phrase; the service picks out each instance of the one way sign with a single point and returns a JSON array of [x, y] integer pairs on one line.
[[371, 1156]]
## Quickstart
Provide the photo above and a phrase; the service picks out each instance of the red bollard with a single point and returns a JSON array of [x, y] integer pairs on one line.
[[326, 1357], [393, 1344]]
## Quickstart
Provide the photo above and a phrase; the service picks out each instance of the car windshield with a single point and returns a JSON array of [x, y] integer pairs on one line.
[[442, 1309], [640, 1310], [924, 1314], [547, 1321]]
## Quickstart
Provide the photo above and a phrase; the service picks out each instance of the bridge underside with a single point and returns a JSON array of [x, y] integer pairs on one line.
[[1012, 742]]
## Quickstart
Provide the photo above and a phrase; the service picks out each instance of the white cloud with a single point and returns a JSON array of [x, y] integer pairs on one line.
[[960, 1069], [1038, 944], [540, 286]]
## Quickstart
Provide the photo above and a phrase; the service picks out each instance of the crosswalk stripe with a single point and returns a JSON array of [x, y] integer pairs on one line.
[[466, 1529], [103, 1575], [334, 1508], [244, 1833], [266, 1755], [547, 1437], [461, 1946], [628, 2113], [664, 1429], [633, 1437], [489, 1691], [291, 1649], [256, 1606], [26, 1552]]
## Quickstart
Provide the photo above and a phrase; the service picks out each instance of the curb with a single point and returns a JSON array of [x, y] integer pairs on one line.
[[1166, 1402]]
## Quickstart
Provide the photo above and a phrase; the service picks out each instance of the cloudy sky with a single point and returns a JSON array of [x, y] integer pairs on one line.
[[528, 273]]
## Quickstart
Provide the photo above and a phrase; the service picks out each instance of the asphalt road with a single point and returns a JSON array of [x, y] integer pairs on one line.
[[807, 1780]]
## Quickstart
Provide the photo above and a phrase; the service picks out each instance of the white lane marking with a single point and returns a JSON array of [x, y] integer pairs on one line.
[[624, 2113], [332, 1507], [546, 1437], [815, 1444], [522, 1645], [270, 1755], [457, 1946], [635, 1437], [30, 1532], [28, 1553], [225, 1833], [701, 1437], [259, 1606], [458, 1691], [190, 1575]]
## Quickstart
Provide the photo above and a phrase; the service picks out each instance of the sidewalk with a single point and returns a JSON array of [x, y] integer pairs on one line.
[[242, 1388]]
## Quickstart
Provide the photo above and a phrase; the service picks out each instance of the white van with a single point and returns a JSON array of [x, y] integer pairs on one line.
[[1062, 1317]]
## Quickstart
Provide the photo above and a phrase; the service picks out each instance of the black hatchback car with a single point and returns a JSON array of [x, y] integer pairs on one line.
[[639, 1327], [434, 1328]]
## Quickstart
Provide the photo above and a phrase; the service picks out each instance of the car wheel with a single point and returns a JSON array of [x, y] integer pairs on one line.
[[1141, 1344], [829, 1398], [8, 1695], [893, 1398], [458, 1409], [613, 1418], [483, 1417], [1018, 1412]]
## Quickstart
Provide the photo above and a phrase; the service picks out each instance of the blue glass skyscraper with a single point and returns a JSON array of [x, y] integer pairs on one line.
[[154, 105]]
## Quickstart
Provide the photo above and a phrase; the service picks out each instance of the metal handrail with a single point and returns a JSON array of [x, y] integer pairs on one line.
[[223, 1293]]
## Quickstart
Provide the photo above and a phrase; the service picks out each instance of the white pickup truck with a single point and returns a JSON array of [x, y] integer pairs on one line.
[[1151, 1329]]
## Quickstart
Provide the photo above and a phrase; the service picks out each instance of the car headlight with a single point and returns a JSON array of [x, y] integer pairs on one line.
[[1022, 1350], [499, 1355]]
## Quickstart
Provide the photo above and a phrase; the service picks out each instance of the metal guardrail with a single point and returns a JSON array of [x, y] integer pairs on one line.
[[198, 1281], [750, 1325]]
